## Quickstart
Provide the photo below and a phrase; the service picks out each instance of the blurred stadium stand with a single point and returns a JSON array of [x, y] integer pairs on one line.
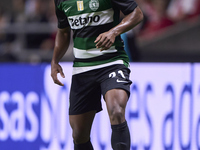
[[28, 28], [177, 43]]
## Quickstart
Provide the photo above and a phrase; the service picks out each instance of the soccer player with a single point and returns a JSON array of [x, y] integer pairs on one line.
[[100, 66]]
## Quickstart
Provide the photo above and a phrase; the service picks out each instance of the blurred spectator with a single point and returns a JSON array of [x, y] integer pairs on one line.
[[155, 15], [3, 21], [160, 14], [6, 39], [39, 15], [183, 9]]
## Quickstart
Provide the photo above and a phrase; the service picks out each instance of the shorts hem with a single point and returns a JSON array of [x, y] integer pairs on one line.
[[127, 91], [85, 111]]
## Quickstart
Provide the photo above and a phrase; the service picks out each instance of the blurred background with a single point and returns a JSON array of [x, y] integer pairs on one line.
[[170, 32]]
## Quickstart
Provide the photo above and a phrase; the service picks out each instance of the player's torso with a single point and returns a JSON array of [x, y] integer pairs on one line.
[[88, 19]]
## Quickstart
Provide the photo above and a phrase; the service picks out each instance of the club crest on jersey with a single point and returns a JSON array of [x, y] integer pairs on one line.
[[80, 6], [94, 5]]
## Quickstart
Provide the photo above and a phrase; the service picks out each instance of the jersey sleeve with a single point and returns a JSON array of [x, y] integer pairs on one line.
[[126, 6], [62, 19]]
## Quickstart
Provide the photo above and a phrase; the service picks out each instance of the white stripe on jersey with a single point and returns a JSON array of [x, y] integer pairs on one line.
[[77, 70], [91, 19], [82, 54]]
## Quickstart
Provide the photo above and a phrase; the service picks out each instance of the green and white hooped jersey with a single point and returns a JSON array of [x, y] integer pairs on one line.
[[88, 19]]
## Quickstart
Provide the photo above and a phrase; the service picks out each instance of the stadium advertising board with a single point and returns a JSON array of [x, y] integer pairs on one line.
[[163, 111]]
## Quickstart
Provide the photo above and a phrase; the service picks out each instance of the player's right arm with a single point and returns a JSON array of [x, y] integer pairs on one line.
[[61, 45]]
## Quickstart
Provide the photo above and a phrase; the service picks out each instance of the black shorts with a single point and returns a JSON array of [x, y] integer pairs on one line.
[[87, 87]]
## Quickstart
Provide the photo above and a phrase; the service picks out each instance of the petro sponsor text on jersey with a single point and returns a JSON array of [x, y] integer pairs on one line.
[[83, 21]]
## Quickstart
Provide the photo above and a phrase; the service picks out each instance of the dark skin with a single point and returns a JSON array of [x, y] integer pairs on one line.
[[116, 99], [105, 40]]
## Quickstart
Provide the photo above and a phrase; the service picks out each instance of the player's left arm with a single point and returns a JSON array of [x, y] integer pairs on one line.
[[105, 40]]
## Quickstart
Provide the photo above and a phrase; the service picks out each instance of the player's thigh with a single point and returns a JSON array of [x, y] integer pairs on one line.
[[81, 124], [116, 100], [117, 97]]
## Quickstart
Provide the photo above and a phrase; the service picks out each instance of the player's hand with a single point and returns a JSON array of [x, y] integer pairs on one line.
[[55, 69], [105, 40]]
